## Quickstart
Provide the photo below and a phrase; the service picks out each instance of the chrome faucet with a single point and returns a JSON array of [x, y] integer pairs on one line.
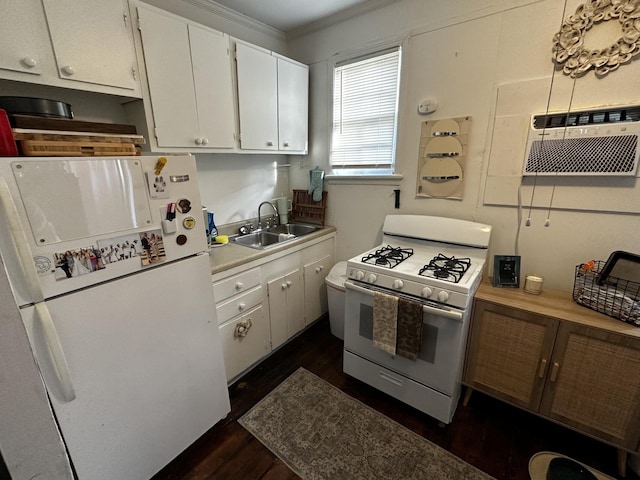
[[275, 213]]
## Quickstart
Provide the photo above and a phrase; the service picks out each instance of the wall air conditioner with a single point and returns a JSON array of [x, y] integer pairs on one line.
[[585, 143]]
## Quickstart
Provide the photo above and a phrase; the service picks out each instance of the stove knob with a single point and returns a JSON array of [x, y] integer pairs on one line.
[[426, 292], [359, 275], [443, 296], [371, 278], [398, 284]]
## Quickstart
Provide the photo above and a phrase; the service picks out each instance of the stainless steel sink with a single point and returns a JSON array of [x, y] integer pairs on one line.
[[258, 239], [297, 229], [275, 235]]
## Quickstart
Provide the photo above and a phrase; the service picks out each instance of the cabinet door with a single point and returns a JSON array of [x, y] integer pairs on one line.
[[167, 55], [92, 41], [240, 352], [23, 37], [509, 352], [293, 101], [594, 384], [295, 303], [214, 93], [286, 307], [257, 98], [315, 291], [277, 292]]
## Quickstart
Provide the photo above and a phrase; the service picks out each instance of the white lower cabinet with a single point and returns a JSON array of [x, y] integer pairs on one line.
[[261, 307], [245, 340], [315, 291], [286, 307]]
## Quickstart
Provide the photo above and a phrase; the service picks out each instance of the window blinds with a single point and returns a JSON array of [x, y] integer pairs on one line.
[[365, 101]]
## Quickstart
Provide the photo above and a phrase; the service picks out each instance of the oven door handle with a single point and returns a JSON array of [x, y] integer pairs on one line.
[[451, 314]]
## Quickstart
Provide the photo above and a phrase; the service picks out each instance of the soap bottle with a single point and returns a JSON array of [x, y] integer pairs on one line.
[[212, 229]]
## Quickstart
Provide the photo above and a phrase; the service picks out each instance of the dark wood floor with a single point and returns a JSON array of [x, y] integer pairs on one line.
[[494, 437]]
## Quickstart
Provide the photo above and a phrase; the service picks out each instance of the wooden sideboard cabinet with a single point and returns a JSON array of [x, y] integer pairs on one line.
[[560, 360]]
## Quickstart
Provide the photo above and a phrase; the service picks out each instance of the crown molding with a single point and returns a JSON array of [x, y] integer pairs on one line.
[[236, 17], [356, 10]]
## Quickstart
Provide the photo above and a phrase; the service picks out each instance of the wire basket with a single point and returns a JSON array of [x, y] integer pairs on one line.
[[612, 296]]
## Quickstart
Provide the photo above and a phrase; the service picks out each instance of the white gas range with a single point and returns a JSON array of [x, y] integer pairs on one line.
[[437, 262]]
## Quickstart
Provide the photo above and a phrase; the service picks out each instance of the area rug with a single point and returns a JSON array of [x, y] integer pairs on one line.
[[539, 464], [319, 432]]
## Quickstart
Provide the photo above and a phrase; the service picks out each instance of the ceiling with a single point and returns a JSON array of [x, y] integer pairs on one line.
[[290, 15]]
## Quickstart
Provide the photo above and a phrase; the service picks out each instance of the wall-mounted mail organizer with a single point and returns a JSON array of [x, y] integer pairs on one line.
[[441, 158]]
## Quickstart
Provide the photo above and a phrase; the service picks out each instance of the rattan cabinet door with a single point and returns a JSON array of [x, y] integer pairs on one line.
[[593, 384], [508, 353]]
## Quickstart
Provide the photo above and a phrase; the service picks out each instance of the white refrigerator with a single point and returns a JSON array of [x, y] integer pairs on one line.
[[108, 265]]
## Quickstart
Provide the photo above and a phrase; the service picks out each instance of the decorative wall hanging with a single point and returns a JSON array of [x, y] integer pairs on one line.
[[568, 44], [441, 156]]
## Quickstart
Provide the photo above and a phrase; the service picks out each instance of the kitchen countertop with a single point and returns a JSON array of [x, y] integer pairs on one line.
[[231, 255]]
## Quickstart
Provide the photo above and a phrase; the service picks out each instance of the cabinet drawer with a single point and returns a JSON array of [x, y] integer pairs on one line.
[[242, 352], [237, 284], [238, 304]]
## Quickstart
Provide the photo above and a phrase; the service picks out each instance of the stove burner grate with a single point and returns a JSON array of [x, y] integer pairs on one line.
[[451, 269], [388, 256]]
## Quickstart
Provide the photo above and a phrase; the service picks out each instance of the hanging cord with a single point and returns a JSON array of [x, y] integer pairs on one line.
[[546, 113], [547, 222]]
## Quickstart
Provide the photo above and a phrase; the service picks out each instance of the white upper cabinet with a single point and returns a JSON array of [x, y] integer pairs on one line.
[[92, 41], [293, 94], [272, 100], [257, 98], [188, 71], [80, 44]]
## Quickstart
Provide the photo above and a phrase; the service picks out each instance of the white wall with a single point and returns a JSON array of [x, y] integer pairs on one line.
[[463, 53]]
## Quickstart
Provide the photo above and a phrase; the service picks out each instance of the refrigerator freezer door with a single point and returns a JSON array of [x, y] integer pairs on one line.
[[78, 221], [146, 364]]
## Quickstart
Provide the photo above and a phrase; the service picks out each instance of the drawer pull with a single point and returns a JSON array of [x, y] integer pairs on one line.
[[239, 286], [554, 371], [390, 379], [289, 282], [242, 328], [242, 306], [543, 367]]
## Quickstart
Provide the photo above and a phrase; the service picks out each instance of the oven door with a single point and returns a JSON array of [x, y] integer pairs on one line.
[[439, 363]]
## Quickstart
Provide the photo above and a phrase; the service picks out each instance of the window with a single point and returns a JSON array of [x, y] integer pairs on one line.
[[365, 114]]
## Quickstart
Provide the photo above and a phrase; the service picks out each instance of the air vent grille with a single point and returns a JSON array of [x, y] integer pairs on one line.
[[587, 117], [608, 155]]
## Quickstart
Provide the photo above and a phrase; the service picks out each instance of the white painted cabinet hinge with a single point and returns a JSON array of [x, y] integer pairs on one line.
[[139, 22], [134, 72], [125, 18], [155, 132]]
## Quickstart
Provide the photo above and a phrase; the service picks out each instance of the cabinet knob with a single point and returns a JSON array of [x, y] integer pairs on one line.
[[318, 269], [288, 283], [29, 62], [284, 286], [198, 141], [285, 144], [242, 306], [269, 144], [239, 285], [205, 140], [68, 70]]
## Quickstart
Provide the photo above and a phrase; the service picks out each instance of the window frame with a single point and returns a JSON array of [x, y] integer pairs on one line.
[[376, 174]]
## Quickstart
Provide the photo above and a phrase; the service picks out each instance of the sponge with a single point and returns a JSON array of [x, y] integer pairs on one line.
[[221, 239]]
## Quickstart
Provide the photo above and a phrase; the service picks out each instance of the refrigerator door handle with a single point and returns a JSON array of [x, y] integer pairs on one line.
[[51, 359], [26, 282]]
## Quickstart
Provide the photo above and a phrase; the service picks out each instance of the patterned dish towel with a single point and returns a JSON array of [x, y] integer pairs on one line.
[[385, 322], [409, 328]]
